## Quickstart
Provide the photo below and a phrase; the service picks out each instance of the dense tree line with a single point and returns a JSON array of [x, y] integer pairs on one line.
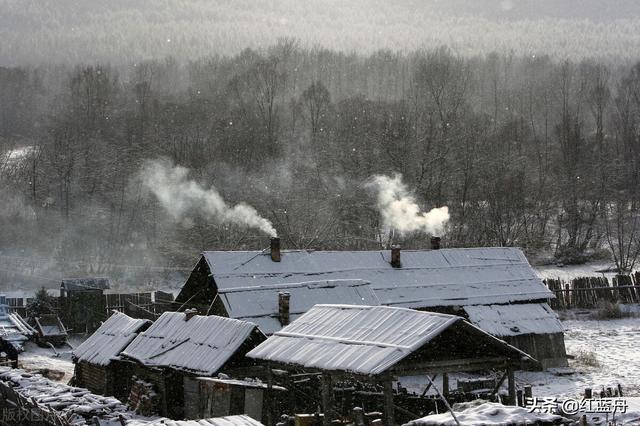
[[525, 151]]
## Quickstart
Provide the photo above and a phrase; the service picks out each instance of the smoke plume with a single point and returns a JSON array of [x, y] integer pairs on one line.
[[400, 211], [179, 196]]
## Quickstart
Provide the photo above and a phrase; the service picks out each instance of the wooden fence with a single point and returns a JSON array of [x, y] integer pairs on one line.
[[140, 305], [148, 305], [589, 292]]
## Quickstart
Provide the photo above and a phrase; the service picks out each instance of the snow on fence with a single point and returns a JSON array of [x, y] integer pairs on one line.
[[588, 292]]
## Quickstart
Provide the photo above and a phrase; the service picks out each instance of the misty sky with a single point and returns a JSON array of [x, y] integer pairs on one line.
[[73, 31]]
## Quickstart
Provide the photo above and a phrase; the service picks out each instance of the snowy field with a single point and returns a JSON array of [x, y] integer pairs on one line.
[[607, 353]]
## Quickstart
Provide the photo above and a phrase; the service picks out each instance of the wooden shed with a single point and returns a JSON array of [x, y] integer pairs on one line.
[[82, 303], [96, 358], [443, 280], [380, 344], [180, 346]]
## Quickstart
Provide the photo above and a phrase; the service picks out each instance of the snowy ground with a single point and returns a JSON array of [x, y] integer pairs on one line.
[[54, 364], [614, 345], [569, 272]]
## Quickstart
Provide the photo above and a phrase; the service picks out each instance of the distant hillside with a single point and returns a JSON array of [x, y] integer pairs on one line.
[[34, 31]]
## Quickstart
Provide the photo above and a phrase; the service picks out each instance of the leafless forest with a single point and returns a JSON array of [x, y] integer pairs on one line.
[[531, 151]]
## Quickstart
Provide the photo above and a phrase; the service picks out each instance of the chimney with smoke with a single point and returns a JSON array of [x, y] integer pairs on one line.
[[400, 211], [395, 256], [275, 249], [435, 243], [283, 307]]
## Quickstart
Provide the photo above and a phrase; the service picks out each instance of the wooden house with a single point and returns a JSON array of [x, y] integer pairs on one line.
[[182, 346], [380, 344], [475, 283], [96, 366]]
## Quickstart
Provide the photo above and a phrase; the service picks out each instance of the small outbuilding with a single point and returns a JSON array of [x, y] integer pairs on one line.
[[96, 366], [180, 346], [380, 344], [532, 327], [82, 303]]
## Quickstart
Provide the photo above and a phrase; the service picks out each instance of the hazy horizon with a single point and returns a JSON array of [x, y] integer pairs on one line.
[[70, 32]]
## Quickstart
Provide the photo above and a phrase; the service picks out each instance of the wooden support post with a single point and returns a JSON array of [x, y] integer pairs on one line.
[[528, 394], [358, 416], [327, 398], [445, 385], [511, 379], [388, 402], [499, 384], [268, 397], [426, 389]]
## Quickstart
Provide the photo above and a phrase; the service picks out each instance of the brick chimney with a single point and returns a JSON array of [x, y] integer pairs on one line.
[[435, 243], [283, 307], [395, 256], [275, 249]]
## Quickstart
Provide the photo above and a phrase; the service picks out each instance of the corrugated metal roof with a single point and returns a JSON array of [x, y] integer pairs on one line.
[[110, 339], [427, 278], [514, 320], [241, 420], [259, 304], [201, 345], [359, 339], [91, 283]]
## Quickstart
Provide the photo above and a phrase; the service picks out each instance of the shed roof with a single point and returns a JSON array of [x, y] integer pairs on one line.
[[427, 278], [360, 339], [201, 345], [240, 420], [14, 329], [514, 320], [259, 303], [110, 339], [90, 283]]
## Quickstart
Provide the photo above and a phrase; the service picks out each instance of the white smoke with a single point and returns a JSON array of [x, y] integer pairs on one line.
[[179, 196], [400, 211]]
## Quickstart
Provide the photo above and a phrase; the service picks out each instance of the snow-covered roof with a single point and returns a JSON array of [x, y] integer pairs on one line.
[[490, 414], [240, 420], [14, 329], [91, 283], [358, 339], [259, 304], [110, 339], [426, 278], [514, 320], [200, 345]]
